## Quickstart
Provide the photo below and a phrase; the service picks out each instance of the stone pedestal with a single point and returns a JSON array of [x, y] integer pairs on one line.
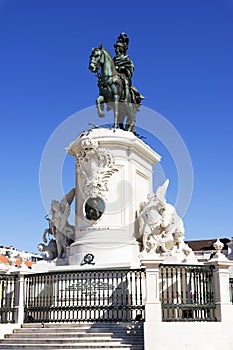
[[113, 177], [224, 307], [152, 303]]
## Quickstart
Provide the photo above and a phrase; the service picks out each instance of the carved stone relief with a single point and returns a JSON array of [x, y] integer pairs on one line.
[[95, 166]]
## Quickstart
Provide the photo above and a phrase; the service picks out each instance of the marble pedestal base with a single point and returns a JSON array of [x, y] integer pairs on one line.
[[113, 178]]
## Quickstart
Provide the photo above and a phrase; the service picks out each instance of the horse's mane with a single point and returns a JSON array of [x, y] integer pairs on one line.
[[110, 57], [107, 52]]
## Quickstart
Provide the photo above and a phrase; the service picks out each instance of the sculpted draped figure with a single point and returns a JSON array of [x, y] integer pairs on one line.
[[59, 227], [160, 227]]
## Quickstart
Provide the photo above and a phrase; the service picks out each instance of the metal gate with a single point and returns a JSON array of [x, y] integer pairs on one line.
[[187, 293], [78, 296], [7, 298]]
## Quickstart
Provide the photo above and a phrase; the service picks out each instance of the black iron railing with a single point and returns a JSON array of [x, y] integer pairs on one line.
[[77, 296], [7, 298], [231, 289], [187, 293]]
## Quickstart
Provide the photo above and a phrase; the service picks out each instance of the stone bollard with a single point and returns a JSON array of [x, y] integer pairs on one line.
[[19, 293], [224, 308]]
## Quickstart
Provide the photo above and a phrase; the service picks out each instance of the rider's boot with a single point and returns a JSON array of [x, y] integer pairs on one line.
[[127, 92]]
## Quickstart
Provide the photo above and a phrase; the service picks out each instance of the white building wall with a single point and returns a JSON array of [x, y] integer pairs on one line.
[[190, 335]]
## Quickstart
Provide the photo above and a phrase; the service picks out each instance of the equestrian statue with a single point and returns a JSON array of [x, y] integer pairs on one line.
[[115, 83]]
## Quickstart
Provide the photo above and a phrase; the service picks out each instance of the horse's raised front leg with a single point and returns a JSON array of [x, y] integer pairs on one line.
[[100, 106]]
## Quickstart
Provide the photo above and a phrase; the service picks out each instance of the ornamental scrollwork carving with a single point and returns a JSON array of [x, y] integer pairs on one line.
[[95, 166]]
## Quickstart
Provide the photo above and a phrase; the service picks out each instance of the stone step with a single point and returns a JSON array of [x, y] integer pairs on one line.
[[62, 339], [82, 328], [76, 336], [120, 325], [40, 334], [72, 346], [92, 332]]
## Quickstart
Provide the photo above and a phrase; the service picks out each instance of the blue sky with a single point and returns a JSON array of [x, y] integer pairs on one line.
[[183, 56]]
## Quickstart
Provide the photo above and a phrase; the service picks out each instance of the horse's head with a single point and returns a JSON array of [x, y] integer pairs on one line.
[[41, 247], [96, 59]]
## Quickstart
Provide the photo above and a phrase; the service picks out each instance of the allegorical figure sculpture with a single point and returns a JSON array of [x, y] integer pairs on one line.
[[49, 251], [115, 83], [59, 227], [160, 227]]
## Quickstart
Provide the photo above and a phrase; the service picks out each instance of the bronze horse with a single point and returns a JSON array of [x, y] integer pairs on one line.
[[111, 90]]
